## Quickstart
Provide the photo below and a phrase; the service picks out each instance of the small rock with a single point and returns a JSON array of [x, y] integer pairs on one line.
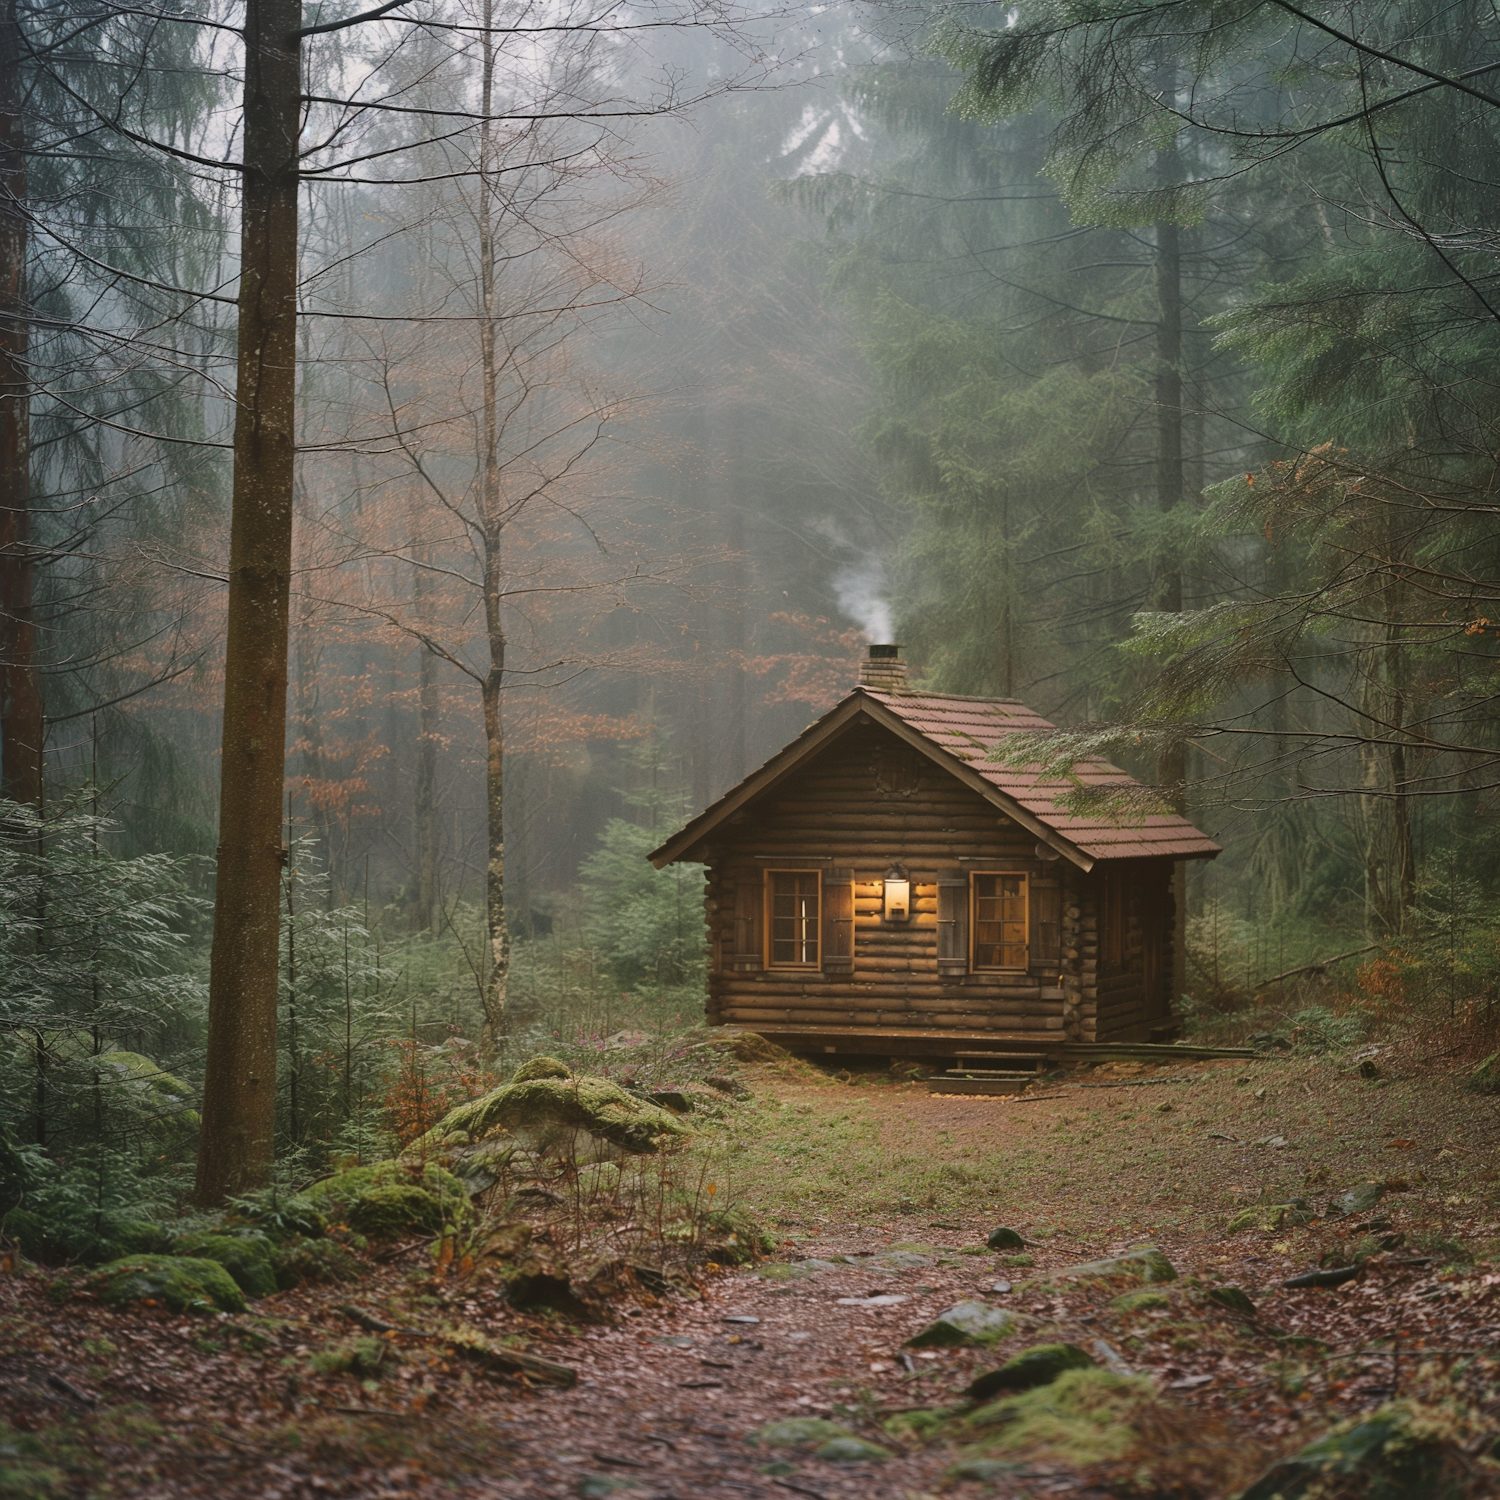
[[1000, 1288], [1359, 1199], [1032, 1367], [851, 1450], [966, 1324], [903, 1260], [739, 1318], [984, 1470], [1140, 1301], [1234, 1298], [1005, 1239], [1144, 1263], [799, 1432], [1485, 1079], [882, 1299], [784, 1271], [1110, 1358]]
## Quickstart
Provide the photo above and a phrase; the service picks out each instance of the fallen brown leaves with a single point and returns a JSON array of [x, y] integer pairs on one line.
[[145, 1403]]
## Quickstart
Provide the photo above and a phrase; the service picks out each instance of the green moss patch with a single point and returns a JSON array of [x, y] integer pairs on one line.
[[249, 1258], [389, 1199], [1145, 1263], [576, 1117], [182, 1283], [1142, 1300]]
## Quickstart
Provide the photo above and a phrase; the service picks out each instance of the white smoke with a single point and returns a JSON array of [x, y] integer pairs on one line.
[[860, 588]]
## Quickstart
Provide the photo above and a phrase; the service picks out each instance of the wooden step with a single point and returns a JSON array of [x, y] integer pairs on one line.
[[979, 1085]]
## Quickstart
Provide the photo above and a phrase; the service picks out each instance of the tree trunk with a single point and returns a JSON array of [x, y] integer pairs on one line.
[[425, 802], [21, 725], [236, 1144], [493, 527]]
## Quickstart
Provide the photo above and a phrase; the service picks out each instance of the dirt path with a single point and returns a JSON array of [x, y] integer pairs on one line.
[[878, 1193]]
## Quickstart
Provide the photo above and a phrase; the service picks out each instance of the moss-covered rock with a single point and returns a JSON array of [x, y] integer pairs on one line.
[[747, 1047], [1144, 1299], [541, 1067], [167, 1100], [1400, 1452], [851, 1450], [182, 1283], [1485, 1079], [1032, 1367], [249, 1258], [576, 1118], [364, 1357], [798, 1432], [1005, 1239], [966, 1324], [1236, 1299], [1085, 1416], [1145, 1263], [390, 1198], [304, 1262]]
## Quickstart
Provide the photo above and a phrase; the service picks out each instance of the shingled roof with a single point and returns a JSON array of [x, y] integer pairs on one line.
[[958, 734]]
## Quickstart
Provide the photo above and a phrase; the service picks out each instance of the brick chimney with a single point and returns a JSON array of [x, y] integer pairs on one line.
[[883, 670]]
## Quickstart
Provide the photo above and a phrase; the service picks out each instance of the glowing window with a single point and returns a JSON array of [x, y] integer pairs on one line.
[[999, 921]]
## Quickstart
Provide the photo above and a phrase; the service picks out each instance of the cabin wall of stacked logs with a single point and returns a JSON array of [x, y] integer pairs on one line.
[[888, 975], [870, 802]]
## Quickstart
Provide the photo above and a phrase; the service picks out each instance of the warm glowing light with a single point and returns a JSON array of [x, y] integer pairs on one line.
[[897, 895]]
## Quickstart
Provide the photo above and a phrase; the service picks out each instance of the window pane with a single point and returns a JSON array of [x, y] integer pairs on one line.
[[999, 921], [794, 917]]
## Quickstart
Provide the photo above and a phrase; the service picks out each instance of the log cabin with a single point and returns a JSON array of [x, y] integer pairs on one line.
[[882, 887]]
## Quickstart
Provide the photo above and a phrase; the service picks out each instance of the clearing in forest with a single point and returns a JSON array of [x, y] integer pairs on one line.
[[826, 1366]]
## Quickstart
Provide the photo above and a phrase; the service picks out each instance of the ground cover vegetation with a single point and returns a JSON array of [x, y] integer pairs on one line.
[[1133, 360]]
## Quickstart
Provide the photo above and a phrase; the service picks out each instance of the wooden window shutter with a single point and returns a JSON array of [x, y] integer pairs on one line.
[[953, 922], [1046, 924], [749, 908], [838, 922]]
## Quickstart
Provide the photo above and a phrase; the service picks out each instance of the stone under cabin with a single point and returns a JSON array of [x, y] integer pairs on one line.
[[881, 886]]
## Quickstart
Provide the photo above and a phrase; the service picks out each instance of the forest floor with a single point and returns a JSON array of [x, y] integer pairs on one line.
[[890, 1192]]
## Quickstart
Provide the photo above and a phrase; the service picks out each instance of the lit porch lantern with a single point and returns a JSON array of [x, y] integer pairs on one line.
[[897, 894]]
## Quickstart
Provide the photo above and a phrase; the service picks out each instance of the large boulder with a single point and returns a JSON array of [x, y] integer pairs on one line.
[[973, 1324], [181, 1282], [249, 1258], [1145, 1263], [577, 1118], [389, 1198]]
